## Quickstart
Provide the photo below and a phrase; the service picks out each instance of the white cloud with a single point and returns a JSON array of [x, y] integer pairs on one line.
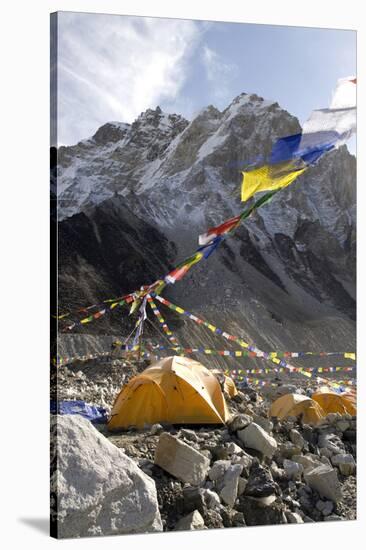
[[218, 73], [114, 67]]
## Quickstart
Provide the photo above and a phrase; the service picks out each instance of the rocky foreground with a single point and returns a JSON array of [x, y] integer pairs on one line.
[[252, 471]]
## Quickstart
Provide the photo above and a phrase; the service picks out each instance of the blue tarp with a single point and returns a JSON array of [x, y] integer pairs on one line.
[[97, 415]]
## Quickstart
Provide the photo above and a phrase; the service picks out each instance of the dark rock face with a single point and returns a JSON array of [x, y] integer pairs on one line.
[[106, 252], [260, 482]]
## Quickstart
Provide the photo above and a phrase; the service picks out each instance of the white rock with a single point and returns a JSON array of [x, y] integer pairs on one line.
[[293, 469], [212, 499], [181, 460], [346, 464], [234, 449], [324, 479], [217, 472], [296, 438], [193, 521], [309, 461], [229, 492], [263, 422], [240, 421], [100, 490], [255, 437]]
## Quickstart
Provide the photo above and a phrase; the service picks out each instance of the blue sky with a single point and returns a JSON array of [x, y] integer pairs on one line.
[[113, 67]]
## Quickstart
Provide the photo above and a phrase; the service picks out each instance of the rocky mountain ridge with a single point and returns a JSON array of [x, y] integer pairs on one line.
[[290, 269]]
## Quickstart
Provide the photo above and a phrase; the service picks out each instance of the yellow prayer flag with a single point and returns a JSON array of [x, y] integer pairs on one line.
[[308, 374], [135, 305], [269, 178], [350, 356]]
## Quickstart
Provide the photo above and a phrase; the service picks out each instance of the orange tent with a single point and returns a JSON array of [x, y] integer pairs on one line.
[[331, 402], [295, 404], [177, 390]]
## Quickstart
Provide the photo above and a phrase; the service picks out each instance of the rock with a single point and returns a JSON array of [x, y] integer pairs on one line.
[[242, 483], [308, 461], [277, 473], [206, 453], [343, 425], [306, 503], [244, 459], [239, 397], [190, 435], [232, 518], [260, 482], [345, 463], [213, 519], [220, 452], [193, 499], [331, 442], [325, 507], [239, 422], [293, 470], [255, 437], [296, 438], [192, 522], [288, 449], [325, 452], [181, 460], [100, 491], [212, 499], [156, 429], [229, 492], [257, 514], [293, 517], [309, 434], [217, 472], [332, 418], [234, 449], [324, 480], [263, 422]]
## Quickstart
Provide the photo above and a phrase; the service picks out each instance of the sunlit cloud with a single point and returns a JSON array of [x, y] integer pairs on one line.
[[218, 72], [114, 67]]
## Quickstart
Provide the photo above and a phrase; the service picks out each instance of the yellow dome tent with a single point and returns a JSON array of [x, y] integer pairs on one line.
[[295, 404], [177, 390], [332, 402]]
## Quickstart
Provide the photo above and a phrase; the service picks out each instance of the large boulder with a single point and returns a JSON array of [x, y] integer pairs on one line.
[[181, 460], [324, 480], [255, 437], [98, 490]]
